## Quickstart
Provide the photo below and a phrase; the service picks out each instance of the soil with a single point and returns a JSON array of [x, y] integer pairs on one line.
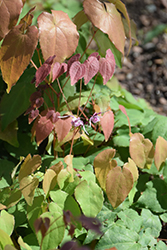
[[144, 71]]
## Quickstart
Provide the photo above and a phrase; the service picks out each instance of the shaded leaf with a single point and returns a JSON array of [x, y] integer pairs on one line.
[[107, 123], [79, 19], [58, 70], [43, 71], [141, 150], [107, 19], [119, 182], [17, 49], [103, 163], [58, 35], [9, 14], [23, 90], [91, 223], [160, 154], [23, 244], [10, 134]]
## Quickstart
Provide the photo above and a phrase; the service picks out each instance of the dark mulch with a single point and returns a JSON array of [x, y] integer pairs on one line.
[[144, 71]]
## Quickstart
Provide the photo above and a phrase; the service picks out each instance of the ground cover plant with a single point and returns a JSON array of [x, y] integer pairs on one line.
[[83, 163]]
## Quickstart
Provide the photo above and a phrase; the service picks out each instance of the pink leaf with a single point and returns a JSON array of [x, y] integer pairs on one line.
[[70, 62], [33, 115], [107, 66], [92, 67], [58, 70], [107, 123], [58, 35], [77, 71], [44, 70]]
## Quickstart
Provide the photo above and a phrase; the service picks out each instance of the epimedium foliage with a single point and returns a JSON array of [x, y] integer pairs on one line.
[[101, 183]]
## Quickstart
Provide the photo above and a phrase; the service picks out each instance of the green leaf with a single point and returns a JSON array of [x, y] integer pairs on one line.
[[55, 232], [151, 221], [154, 197], [17, 101], [7, 222], [34, 211], [9, 134], [4, 239], [119, 237], [91, 200]]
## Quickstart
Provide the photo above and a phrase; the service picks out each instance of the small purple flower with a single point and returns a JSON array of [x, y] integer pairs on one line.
[[94, 118], [76, 122]]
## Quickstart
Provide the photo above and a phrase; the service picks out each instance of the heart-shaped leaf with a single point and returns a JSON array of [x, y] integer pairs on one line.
[[92, 67], [160, 152], [62, 128], [107, 19], [17, 49], [58, 70], [118, 185], [58, 35], [77, 71], [107, 123], [103, 163], [141, 150], [9, 14], [132, 167]]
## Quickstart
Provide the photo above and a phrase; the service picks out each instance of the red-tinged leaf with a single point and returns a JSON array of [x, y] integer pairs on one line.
[[119, 182], [132, 167], [103, 163], [9, 14], [160, 152], [52, 115], [17, 49], [58, 70], [77, 71], [122, 8], [43, 128], [70, 62], [29, 166], [107, 19], [33, 115], [27, 19], [44, 71], [107, 123], [58, 35], [105, 69], [92, 67], [62, 128], [90, 223], [42, 224], [141, 150]]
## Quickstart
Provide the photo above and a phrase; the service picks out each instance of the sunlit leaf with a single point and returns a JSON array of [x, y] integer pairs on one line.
[[49, 181], [62, 128], [106, 18], [132, 167], [58, 35], [5, 239], [17, 49], [7, 222], [103, 163], [160, 152], [141, 150], [107, 123], [9, 14], [91, 200], [68, 160], [119, 182]]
